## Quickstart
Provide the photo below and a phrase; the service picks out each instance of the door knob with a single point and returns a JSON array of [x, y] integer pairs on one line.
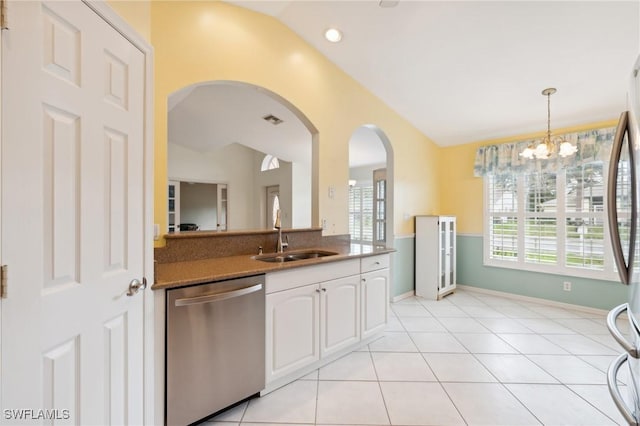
[[135, 285]]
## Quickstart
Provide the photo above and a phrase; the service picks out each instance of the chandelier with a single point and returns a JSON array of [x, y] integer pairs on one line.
[[549, 144]]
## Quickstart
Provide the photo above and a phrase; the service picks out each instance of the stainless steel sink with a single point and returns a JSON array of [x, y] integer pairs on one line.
[[293, 256]]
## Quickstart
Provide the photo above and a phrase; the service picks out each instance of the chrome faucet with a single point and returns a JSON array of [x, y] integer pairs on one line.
[[280, 246]]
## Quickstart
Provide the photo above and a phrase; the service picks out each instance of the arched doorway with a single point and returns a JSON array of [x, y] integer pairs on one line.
[[371, 188], [219, 132]]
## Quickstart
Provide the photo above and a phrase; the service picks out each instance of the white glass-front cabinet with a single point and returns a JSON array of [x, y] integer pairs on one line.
[[174, 206], [221, 211], [435, 262]]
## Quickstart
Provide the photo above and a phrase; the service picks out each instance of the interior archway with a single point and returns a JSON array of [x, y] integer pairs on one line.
[[369, 151], [245, 120]]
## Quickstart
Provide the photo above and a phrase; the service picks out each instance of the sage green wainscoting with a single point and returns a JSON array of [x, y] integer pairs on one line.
[[584, 292], [403, 265]]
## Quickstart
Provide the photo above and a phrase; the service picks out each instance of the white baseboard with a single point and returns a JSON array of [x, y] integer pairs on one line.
[[533, 299], [403, 296]]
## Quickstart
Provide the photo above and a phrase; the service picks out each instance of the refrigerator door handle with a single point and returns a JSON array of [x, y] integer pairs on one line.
[[624, 268], [614, 390], [617, 334]]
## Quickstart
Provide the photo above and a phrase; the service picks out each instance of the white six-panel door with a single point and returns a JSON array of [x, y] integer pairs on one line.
[[72, 217]]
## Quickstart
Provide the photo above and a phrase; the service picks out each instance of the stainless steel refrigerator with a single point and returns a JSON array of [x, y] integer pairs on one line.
[[623, 213]]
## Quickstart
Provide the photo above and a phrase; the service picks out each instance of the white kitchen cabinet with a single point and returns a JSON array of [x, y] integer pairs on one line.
[[375, 294], [435, 256], [309, 322], [339, 314], [319, 312], [293, 330]]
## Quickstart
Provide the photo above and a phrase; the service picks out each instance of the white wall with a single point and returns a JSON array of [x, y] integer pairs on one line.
[[365, 173], [301, 195], [232, 165]]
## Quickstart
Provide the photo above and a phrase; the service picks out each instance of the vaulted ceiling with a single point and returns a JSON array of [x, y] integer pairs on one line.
[[460, 71], [463, 71]]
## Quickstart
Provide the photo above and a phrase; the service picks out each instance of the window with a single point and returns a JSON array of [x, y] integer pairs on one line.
[[361, 214], [549, 221], [269, 162], [379, 206]]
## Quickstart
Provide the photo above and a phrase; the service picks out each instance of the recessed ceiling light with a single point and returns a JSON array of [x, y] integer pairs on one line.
[[333, 35]]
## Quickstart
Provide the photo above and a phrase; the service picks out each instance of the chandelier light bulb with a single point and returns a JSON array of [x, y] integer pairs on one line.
[[527, 153], [542, 151], [567, 149]]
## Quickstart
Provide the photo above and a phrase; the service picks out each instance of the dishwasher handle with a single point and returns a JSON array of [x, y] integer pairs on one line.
[[614, 390], [615, 332], [216, 297]]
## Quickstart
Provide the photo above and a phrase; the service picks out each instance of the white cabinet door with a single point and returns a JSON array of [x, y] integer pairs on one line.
[[448, 254], [375, 301], [340, 314], [292, 330]]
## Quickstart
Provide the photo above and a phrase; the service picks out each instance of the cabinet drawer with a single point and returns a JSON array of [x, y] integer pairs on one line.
[[305, 275], [373, 263]]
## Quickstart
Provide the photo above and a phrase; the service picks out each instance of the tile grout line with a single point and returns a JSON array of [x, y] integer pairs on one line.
[[384, 400]]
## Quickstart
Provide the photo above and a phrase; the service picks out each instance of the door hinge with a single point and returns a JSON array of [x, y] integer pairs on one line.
[[4, 281], [4, 21]]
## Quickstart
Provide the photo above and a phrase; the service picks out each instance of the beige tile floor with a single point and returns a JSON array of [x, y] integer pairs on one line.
[[470, 359]]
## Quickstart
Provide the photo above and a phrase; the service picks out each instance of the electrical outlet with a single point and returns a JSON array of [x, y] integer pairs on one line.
[[566, 286], [324, 223]]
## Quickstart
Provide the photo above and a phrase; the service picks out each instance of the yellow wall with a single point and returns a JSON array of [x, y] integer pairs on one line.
[[204, 41], [461, 194], [136, 13], [196, 41]]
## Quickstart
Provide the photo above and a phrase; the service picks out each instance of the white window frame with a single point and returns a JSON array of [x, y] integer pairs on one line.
[[269, 162], [360, 213], [608, 272]]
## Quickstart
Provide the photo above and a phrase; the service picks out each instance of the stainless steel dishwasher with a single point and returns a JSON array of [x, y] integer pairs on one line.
[[214, 347]]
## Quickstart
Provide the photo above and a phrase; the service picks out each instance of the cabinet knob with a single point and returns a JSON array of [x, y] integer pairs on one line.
[[317, 290], [364, 279], [324, 289]]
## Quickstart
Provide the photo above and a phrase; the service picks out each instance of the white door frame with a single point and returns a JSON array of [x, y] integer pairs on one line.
[[153, 412], [153, 389], [153, 379]]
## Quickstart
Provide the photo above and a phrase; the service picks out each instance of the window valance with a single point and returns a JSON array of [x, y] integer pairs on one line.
[[593, 145]]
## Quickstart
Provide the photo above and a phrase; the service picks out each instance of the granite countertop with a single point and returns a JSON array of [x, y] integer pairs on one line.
[[180, 274]]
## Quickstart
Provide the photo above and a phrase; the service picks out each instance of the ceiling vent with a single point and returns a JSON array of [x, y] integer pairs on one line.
[[272, 119]]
